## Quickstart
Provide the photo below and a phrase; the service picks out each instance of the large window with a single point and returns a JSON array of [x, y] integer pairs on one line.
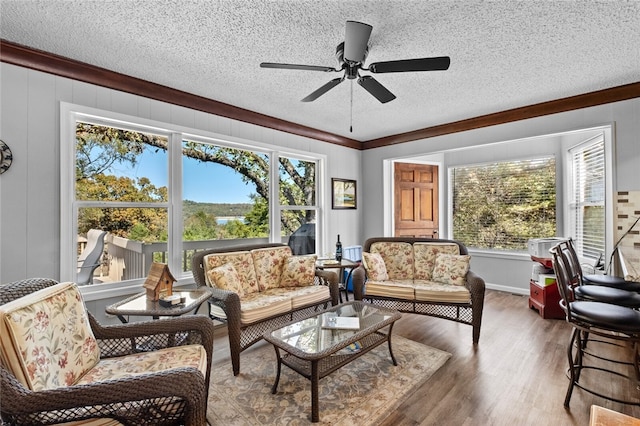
[[587, 197], [502, 205], [161, 195]]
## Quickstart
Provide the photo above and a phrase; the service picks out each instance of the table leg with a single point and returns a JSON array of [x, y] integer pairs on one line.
[[274, 388], [315, 415], [393, 358]]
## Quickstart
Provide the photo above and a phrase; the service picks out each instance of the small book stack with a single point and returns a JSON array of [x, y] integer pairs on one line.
[[340, 323]]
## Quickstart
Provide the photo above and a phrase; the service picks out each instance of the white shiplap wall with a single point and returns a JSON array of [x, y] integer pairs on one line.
[[29, 191]]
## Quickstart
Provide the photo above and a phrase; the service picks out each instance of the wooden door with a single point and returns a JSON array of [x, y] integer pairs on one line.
[[416, 200]]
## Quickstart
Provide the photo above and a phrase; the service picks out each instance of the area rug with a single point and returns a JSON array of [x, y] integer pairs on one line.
[[363, 392]]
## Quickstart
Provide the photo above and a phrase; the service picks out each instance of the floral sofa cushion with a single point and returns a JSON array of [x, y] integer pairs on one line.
[[451, 269], [424, 257], [375, 267], [147, 362], [242, 262], [269, 263], [47, 341], [258, 306], [298, 271], [398, 259], [429, 291], [225, 277], [402, 289], [302, 296]]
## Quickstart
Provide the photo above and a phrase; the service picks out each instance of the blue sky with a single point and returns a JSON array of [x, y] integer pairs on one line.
[[204, 182]]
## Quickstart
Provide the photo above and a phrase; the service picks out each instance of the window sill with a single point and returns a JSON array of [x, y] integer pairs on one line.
[[497, 254], [121, 289]]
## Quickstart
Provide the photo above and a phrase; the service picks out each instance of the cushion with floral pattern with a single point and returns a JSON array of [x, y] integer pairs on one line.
[[299, 271], [375, 267], [269, 263], [398, 258], [451, 269], [225, 277], [425, 257], [242, 261], [47, 341]]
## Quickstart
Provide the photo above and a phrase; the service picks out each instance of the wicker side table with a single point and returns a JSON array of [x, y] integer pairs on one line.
[[139, 305]]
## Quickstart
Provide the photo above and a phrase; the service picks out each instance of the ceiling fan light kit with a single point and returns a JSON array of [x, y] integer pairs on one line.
[[351, 55]]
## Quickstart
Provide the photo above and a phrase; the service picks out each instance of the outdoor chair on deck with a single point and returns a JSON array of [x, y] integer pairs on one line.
[[57, 364], [90, 257]]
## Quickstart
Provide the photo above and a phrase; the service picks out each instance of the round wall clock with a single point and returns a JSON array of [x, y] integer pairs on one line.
[[5, 157]]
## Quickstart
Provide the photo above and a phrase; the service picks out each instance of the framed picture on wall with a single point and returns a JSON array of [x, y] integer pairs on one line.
[[343, 193]]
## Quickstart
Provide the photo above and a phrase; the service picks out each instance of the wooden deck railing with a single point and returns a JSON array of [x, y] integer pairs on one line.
[[130, 259]]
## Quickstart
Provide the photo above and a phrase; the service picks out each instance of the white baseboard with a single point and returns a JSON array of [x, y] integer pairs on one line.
[[508, 289]]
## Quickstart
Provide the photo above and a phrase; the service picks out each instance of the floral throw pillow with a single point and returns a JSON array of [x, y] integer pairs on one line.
[[298, 271], [226, 277], [375, 267], [451, 268], [47, 341]]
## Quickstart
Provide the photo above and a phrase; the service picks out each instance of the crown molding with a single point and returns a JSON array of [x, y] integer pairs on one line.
[[600, 97], [58, 65], [64, 67]]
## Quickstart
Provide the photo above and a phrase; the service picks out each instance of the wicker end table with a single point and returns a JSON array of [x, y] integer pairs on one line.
[[139, 305], [321, 344]]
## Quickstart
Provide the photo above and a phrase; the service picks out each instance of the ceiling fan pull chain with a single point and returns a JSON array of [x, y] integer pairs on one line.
[[351, 112]]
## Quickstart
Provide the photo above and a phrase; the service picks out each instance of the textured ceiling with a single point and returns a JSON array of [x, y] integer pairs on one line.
[[504, 54]]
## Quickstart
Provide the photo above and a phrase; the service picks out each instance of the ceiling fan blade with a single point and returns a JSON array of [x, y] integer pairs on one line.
[[356, 38], [440, 63], [372, 86], [324, 89], [296, 67]]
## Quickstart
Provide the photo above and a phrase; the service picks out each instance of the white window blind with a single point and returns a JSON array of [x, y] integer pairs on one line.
[[587, 203], [502, 205]]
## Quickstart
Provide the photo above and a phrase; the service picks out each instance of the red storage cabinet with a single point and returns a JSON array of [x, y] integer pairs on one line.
[[545, 300]]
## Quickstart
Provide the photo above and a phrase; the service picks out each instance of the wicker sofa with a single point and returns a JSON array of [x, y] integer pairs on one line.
[[423, 276], [259, 287]]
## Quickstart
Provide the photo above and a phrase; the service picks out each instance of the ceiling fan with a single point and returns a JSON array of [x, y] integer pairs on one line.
[[351, 55]]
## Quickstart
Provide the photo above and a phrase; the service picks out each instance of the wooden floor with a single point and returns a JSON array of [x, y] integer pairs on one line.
[[515, 376]]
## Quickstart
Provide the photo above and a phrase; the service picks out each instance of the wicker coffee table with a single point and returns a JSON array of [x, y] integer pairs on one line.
[[319, 345]]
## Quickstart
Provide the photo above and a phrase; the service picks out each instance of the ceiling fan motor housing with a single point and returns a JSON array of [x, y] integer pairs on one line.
[[350, 67]]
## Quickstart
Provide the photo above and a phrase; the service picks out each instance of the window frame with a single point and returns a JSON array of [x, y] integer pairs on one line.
[[605, 132], [450, 182], [71, 113], [565, 140]]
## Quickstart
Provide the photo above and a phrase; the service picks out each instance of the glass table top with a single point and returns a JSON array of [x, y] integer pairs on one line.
[[140, 305], [332, 327]]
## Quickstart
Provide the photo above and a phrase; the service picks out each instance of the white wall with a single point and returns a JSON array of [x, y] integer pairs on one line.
[[510, 273], [30, 193]]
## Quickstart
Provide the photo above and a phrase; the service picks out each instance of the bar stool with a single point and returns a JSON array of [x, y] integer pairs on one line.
[[600, 323], [596, 293]]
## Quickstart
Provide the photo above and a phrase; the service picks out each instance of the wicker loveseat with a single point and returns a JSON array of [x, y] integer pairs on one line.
[[58, 365], [423, 276], [259, 287]]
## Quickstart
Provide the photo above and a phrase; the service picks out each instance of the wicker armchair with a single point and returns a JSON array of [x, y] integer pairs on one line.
[[171, 396]]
